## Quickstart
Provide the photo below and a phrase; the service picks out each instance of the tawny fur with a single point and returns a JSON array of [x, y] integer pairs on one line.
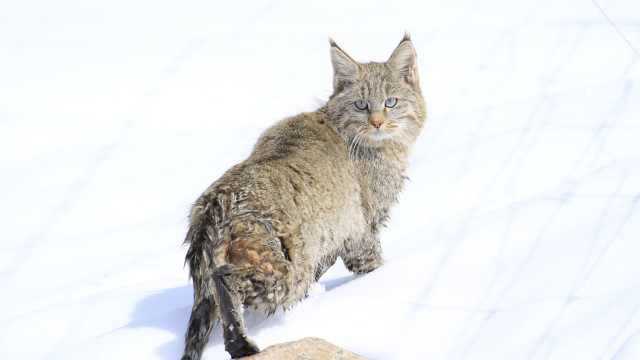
[[316, 187]]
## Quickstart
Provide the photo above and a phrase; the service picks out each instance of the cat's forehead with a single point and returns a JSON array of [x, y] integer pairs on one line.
[[375, 70], [376, 78]]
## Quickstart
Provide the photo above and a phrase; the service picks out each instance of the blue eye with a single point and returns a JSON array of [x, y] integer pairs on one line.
[[360, 105], [391, 102]]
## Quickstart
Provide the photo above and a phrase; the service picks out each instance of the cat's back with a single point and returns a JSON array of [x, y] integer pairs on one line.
[[299, 165], [301, 138], [306, 159]]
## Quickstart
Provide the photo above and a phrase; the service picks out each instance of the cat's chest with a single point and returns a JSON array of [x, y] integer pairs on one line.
[[381, 180]]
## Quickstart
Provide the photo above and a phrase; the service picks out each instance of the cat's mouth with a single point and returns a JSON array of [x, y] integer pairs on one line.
[[387, 131], [378, 134]]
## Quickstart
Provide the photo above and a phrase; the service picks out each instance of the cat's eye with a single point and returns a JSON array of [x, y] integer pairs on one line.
[[391, 102], [360, 105]]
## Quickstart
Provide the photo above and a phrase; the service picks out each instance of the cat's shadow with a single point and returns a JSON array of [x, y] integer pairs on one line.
[[169, 310]]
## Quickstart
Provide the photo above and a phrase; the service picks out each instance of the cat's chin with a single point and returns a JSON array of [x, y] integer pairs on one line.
[[378, 136]]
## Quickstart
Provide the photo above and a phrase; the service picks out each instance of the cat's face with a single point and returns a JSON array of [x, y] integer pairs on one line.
[[375, 103]]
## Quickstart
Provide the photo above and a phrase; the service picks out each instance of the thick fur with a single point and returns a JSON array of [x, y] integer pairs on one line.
[[316, 187]]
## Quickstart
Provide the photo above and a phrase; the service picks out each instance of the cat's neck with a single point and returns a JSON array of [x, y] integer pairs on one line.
[[389, 158], [381, 173]]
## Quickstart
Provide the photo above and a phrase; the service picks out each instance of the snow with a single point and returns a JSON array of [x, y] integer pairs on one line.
[[516, 238]]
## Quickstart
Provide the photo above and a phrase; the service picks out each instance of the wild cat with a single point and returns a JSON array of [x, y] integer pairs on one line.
[[316, 187]]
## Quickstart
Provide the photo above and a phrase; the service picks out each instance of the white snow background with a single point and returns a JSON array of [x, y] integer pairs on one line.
[[517, 237]]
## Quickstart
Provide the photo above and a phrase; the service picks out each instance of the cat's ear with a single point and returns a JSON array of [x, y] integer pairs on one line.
[[345, 69], [404, 61]]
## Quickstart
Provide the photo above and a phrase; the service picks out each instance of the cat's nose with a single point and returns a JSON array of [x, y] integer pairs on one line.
[[376, 119]]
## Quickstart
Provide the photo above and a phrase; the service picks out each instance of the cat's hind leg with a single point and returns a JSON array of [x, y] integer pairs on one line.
[[254, 273], [230, 302], [250, 273]]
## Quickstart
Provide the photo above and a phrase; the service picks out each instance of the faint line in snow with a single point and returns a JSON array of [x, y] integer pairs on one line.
[[617, 29], [580, 280]]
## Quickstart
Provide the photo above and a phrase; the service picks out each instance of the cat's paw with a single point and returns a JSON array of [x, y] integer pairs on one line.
[[242, 347], [363, 266]]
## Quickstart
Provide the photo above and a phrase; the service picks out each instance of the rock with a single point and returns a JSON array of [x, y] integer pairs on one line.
[[304, 349]]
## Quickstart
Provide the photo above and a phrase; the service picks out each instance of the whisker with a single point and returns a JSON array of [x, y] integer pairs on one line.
[[352, 145], [357, 148], [355, 145]]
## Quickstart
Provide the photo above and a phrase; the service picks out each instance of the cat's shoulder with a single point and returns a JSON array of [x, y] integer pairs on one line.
[[303, 127], [306, 121]]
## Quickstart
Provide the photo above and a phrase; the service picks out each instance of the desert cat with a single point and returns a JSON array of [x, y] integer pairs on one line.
[[316, 187]]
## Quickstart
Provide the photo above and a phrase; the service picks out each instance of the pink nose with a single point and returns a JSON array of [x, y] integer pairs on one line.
[[376, 119]]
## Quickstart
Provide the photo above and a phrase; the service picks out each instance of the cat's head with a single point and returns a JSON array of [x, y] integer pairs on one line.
[[378, 102]]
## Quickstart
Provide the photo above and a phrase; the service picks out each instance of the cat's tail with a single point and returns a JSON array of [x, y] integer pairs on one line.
[[214, 284], [200, 260]]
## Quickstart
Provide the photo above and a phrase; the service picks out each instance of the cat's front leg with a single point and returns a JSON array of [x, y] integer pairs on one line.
[[363, 256]]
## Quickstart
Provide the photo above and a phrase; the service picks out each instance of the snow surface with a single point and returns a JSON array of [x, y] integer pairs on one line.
[[516, 238]]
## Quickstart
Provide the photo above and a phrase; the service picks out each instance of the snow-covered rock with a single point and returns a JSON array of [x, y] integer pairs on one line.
[[305, 349]]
